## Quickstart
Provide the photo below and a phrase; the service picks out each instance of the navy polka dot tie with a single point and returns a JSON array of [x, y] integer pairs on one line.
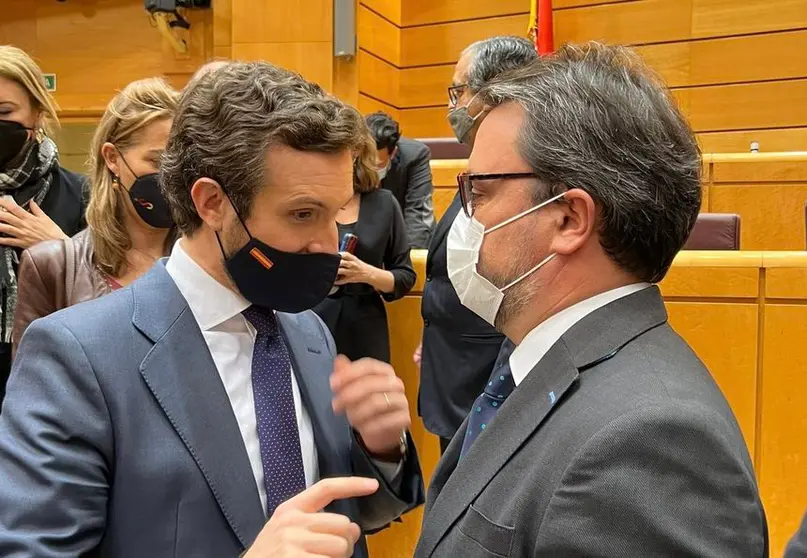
[[278, 435], [499, 387]]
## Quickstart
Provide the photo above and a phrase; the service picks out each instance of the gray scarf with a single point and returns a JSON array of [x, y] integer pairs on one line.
[[29, 180]]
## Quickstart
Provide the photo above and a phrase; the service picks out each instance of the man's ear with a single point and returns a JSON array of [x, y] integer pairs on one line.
[[576, 222], [210, 202]]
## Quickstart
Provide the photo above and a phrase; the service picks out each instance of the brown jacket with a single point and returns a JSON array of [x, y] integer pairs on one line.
[[54, 275]]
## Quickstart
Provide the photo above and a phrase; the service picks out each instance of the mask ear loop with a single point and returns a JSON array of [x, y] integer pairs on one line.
[[530, 272], [524, 213], [237, 214], [122, 158]]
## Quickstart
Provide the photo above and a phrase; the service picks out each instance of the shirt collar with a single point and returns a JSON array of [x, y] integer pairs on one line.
[[211, 303], [538, 341]]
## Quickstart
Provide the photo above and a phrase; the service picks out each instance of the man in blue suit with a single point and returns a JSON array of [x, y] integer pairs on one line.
[[174, 417]]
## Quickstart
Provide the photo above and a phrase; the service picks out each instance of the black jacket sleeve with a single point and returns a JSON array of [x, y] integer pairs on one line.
[[396, 256]]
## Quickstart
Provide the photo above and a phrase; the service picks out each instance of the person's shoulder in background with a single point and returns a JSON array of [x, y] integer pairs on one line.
[[410, 150]]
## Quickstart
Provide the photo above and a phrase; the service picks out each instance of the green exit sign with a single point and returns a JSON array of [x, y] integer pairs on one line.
[[50, 82]]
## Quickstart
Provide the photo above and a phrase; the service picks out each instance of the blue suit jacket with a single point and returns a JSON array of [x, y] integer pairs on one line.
[[117, 438]]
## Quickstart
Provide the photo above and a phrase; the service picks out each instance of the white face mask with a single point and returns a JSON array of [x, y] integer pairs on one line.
[[464, 243], [382, 172]]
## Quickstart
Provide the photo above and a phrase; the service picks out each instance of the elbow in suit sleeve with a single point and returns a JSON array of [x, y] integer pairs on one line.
[[419, 207], [35, 295], [660, 481], [397, 259], [55, 449]]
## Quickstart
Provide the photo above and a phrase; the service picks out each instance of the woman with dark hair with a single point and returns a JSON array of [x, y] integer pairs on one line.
[[378, 270]]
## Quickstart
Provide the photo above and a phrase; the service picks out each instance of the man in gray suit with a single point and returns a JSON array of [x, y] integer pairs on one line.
[[603, 434], [173, 417]]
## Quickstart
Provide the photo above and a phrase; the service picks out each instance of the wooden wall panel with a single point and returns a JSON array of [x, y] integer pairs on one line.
[[425, 12], [746, 106], [565, 4], [711, 18], [426, 86], [302, 21], [295, 35], [428, 122], [683, 64], [388, 9], [312, 60], [369, 105], [749, 58], [443, 43], [772, 214], [751, 55], [66, 38], [642, 22], [378, 79], [378, 36], [735, 371], [783, 425]]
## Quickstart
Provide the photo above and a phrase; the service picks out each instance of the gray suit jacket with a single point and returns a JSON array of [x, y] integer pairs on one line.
[[639, 455], [117, 438], [797, 548], [410, 181]]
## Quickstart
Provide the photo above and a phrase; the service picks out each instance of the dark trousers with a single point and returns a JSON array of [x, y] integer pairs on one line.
[[444, 444]]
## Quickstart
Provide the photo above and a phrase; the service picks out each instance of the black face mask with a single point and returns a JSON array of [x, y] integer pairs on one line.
[[281, 281], [148, 200], [13, 137]]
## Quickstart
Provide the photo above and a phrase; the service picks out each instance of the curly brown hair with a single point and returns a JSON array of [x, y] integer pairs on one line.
[[229, 118]]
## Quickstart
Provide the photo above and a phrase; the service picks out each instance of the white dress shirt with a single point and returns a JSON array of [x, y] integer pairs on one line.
[[538, 341], [231, 340]]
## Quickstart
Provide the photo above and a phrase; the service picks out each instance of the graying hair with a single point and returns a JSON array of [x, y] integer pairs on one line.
[[229, 118], [597, 119], [494, 56]]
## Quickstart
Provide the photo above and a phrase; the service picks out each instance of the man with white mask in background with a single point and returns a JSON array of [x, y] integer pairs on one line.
[[604, 434], [459, 350]]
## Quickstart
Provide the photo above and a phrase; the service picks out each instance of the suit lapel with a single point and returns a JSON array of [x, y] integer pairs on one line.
[[522, 414], [181, 374], [312, 365]]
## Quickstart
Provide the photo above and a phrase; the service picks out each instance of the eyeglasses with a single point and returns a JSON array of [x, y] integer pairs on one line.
[[465, 182], [455, 92]]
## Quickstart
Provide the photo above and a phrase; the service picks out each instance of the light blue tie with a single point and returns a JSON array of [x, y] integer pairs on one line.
[[278, 434]]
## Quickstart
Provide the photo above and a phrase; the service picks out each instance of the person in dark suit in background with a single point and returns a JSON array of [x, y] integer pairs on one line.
[[379, 269], [603, 434], [39, 200], [403, 168], [797, 548], [459, 348]]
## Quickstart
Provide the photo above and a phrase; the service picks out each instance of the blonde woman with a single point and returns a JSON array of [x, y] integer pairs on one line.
[[39, 200], [129, 225]]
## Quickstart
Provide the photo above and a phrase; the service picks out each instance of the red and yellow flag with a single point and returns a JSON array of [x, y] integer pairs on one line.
[[540, 29]]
